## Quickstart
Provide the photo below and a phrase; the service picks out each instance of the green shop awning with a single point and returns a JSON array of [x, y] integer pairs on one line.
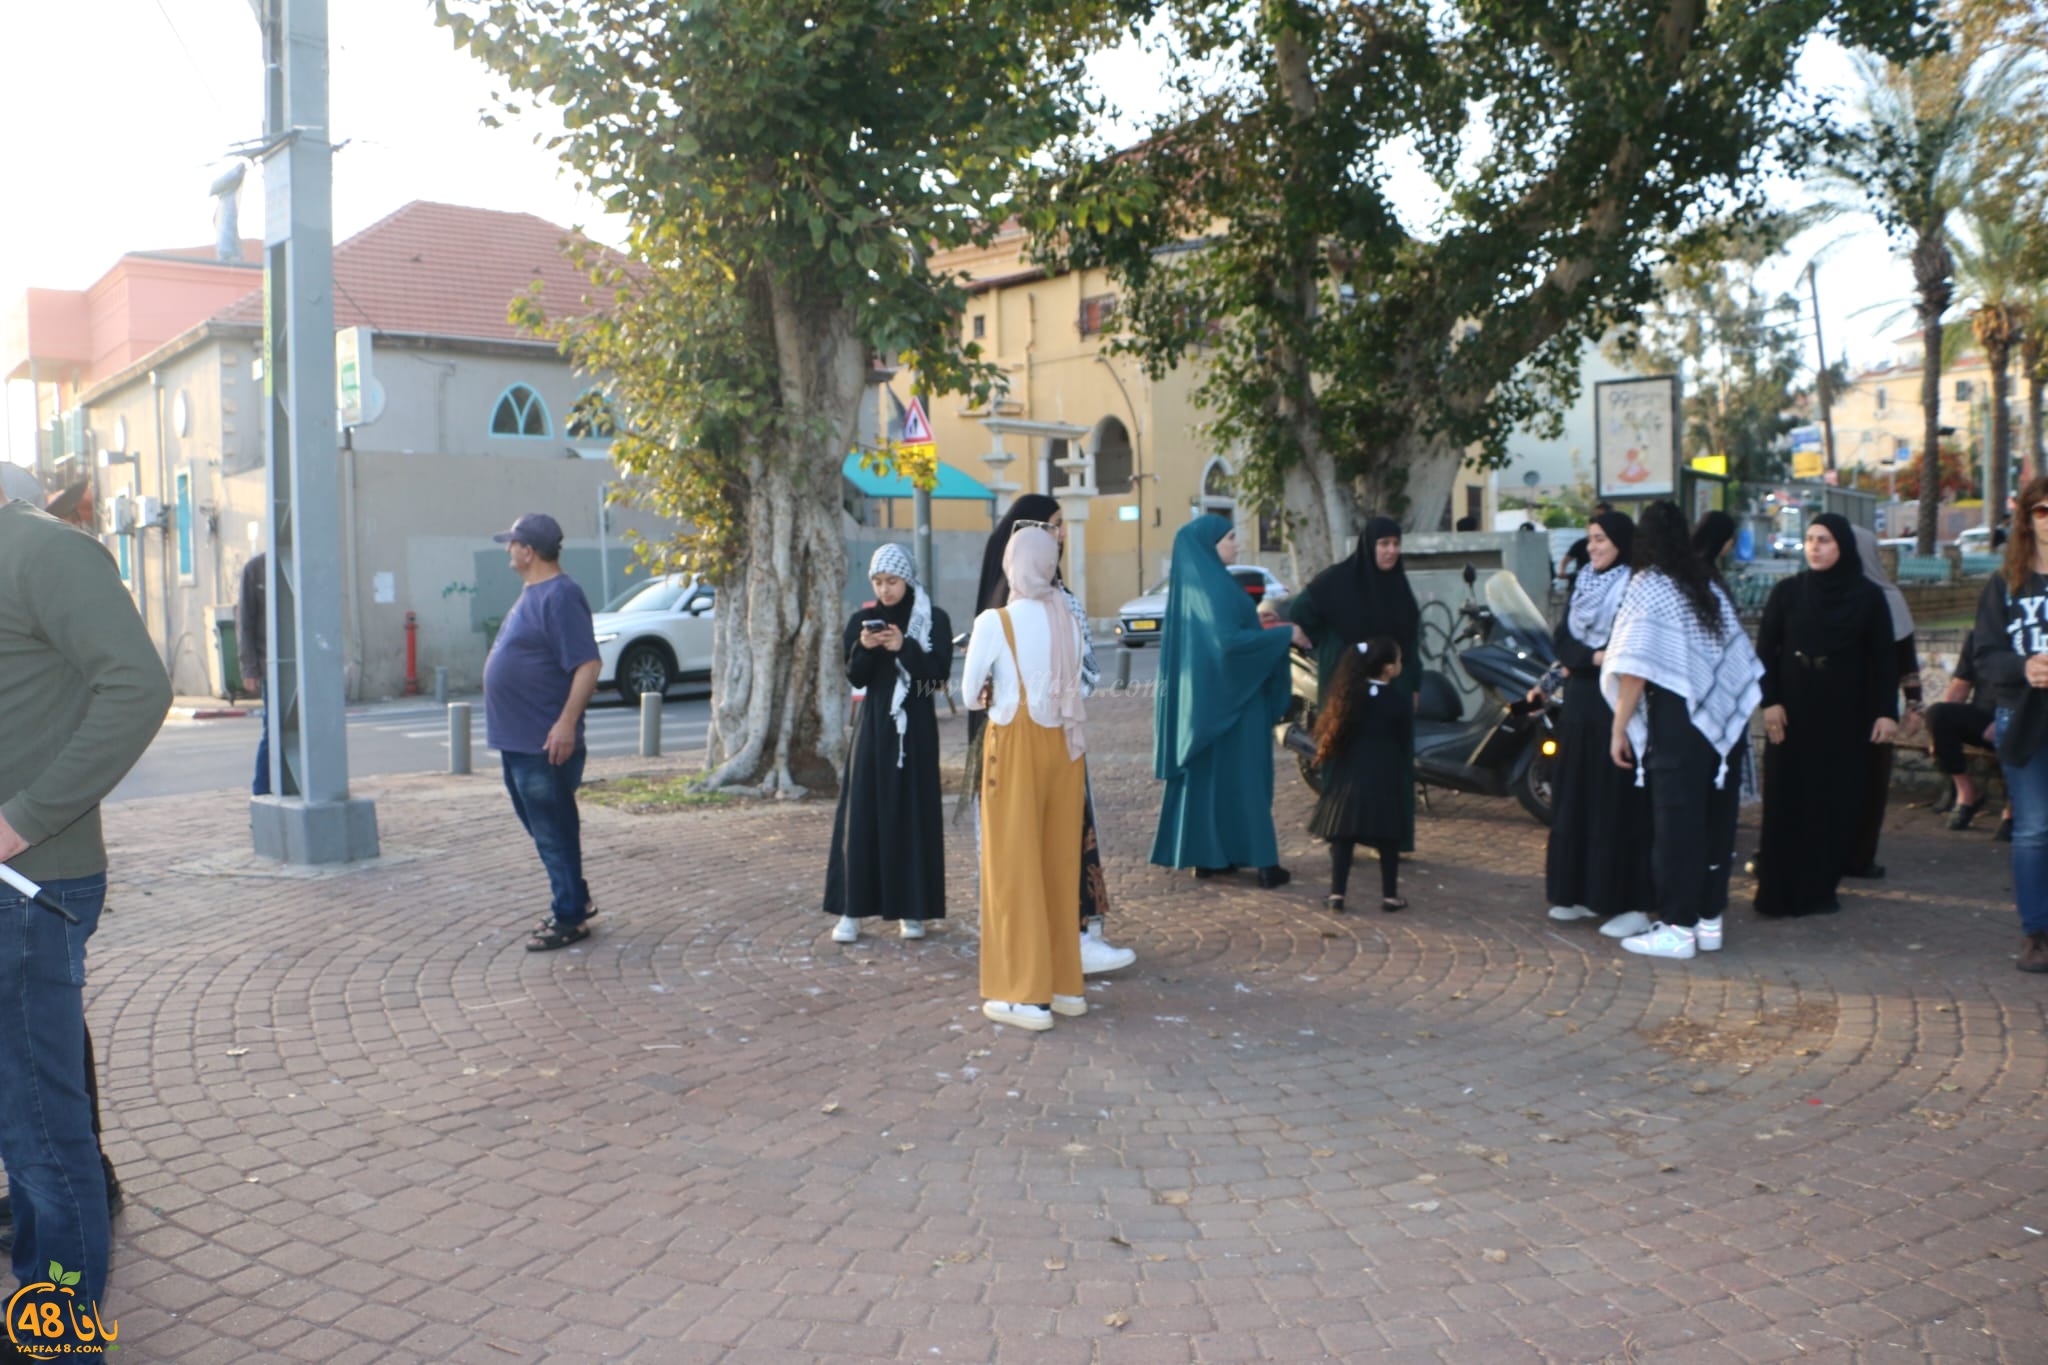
[[952, 483]]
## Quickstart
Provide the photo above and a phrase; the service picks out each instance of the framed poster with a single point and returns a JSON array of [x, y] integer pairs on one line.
[[1636, 435]]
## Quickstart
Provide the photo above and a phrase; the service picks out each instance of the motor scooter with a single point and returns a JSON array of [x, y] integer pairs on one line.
[[1509, 745]]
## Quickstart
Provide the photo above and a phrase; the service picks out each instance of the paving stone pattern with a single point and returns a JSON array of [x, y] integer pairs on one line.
[[358, 1123]]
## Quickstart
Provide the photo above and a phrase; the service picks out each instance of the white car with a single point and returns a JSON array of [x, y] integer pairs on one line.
[[1142, 618], [655, 634]]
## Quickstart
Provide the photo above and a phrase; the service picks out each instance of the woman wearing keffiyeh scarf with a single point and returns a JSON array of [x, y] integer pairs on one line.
[[1597, 862], [888, 855], [1682, 679]]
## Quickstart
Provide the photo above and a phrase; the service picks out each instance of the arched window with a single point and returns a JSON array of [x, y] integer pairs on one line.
[[521, 412], [1112, 458], [1216, 480]]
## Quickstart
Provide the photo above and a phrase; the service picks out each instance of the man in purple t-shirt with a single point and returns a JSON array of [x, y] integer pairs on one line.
[[537, 681]]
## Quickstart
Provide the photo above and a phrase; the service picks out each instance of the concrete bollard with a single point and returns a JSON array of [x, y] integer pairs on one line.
[[650, 725], [458, 738], [1123, 668], [440, 687]]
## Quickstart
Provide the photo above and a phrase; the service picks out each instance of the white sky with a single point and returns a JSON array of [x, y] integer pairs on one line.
[[118, 114]]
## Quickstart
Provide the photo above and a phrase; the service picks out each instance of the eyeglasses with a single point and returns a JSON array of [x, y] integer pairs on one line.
[[1046, 526], [2039, 510]]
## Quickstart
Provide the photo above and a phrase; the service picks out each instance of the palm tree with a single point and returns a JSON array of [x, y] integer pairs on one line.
[[1908, 160], [1993, 265]]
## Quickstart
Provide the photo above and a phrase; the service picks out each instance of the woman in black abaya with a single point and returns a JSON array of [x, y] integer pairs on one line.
[[1830, 691], [1598, 858], [888, 855]]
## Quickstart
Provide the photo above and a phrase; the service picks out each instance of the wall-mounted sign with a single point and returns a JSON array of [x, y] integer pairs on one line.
[[1636, 436]]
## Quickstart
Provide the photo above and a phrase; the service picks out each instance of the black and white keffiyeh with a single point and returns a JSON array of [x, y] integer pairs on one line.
[[894, 559], [1596, 598], [1091, 672], [1658, 637]]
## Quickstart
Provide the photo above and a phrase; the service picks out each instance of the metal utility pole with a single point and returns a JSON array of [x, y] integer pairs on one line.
[[311, 818], [921, 520], [1820, 383]]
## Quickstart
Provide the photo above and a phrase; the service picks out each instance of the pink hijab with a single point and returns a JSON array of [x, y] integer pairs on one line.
[[1030, 562]]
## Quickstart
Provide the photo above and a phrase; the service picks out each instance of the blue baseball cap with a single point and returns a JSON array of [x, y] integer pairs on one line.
[[536, 530]]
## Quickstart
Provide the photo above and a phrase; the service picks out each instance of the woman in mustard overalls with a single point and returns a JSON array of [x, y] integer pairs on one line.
[[1032, 792]]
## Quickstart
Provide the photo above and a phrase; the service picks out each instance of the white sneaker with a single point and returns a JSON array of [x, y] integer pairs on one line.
[[1627, 923], [1663, 940], [847, 930], [1099, 956], [912, 928], [1708, 935], [1037, 1018], [1072, 1006], [1565, 914]]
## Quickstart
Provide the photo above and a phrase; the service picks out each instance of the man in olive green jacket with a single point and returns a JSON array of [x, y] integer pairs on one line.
[[82, 693]]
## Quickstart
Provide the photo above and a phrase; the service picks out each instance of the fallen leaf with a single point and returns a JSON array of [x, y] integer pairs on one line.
[[1471, 1149], [1951, 1089], [1427, 1206], [1497, 1158], [238, 1052], [1666, 1169], [1548, 1137], [1117, 1319], [1425, 1180], [1055, 1263], [1767, 1189], [1157, 1256], [1322, 1151], [961, 1257], [1118, 1240], [1494, 1255], [1457, 995], [829, 1107], [1075, 1148], [1701, 1088], [1174, 1197], [1424, 1033], [1806, 1191], [906, 1146], [1555, 1014]]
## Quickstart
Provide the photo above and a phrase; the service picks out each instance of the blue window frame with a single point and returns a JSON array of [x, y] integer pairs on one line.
[[184, 496], [121, 555], [521, 412]]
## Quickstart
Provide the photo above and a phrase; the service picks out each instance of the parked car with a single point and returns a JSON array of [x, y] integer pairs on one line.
[[1975, 541], [1142, 618], [656, 634]]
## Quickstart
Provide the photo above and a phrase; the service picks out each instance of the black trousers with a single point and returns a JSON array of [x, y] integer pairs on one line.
[[1951, 725], [1341, 851], [1692, 821]]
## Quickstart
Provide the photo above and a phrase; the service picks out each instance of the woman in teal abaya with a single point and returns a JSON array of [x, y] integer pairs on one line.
[[1223, 685]]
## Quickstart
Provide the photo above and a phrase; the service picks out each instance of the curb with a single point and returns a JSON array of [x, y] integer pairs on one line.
[[205, 713]]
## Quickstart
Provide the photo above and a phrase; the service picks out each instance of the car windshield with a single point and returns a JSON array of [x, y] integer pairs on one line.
[[1512, 607], [660, 595], [1157, 589]]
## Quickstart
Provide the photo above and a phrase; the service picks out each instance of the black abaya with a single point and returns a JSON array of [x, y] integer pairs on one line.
[[888, 852], [1826, 646], [1598, 854]]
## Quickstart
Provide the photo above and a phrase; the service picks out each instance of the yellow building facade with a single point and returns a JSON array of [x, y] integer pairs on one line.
[[1126, 455], [1879, 419]]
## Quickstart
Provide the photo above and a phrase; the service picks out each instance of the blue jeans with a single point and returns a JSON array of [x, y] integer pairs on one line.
[[46, 1140], [544, 795], [2027, 784], [261, 786]]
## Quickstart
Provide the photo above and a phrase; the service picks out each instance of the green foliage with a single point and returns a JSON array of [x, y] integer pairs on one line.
[[1737, 346], [776, 160], [1568, 143]]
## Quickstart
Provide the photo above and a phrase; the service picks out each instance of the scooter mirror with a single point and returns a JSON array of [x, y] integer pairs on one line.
[[1471, 575]]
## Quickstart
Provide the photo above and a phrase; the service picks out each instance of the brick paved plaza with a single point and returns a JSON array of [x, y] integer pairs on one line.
[[358, 1123]]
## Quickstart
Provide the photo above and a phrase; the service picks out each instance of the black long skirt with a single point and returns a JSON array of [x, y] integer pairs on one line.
[[1599, 854]]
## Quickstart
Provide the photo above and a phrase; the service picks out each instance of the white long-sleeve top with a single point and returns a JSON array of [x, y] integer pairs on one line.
[[988, 660]]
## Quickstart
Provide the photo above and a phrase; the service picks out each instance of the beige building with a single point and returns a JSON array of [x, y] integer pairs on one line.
[[1879, 419], [468, 424], [1070, 410]]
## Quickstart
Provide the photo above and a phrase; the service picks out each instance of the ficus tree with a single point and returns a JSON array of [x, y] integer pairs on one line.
[[1355, 352], [786, 169]]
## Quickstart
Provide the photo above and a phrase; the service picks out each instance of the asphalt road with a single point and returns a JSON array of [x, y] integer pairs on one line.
[[412, 736], [402, 737]]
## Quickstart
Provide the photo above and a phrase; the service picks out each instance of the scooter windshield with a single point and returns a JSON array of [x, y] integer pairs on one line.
[[1513, 609]]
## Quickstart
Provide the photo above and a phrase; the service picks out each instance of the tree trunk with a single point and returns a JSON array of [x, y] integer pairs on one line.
[[1933, 271], [2034, 365], [779, 690], [1999, 356]]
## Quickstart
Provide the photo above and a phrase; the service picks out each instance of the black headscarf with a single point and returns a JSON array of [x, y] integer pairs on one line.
[[995, 589], [1620, 528], [1360, 599], [1829, 606], [1711, 537]]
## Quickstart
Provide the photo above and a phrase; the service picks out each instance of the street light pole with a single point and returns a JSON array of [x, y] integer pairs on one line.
[[310, 819]]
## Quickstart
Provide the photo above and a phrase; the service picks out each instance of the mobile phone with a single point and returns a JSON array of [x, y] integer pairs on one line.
[[874, 623]]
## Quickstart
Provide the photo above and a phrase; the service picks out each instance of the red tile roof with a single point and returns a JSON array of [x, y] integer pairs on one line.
[[445, 270]]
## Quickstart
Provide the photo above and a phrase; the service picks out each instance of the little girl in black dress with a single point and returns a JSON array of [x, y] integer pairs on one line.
[[1362, 740]]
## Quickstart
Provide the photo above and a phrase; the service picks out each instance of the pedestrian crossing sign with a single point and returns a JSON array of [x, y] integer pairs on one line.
[[916, 430]]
